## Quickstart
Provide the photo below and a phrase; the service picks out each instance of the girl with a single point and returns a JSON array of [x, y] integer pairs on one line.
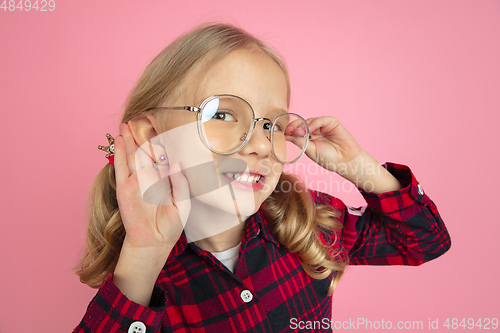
[[197, 228]]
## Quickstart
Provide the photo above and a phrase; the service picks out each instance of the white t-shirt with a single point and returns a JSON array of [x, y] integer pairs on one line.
[[229, 257]]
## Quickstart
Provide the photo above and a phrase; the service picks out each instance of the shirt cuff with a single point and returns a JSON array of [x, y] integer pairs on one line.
[[398, 204], [111, 308]]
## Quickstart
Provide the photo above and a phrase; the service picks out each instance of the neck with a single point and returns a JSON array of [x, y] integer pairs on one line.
[[223, 241], [212, 229]]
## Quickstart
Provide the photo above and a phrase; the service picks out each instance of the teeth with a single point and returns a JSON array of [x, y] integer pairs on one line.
[[244, 178]]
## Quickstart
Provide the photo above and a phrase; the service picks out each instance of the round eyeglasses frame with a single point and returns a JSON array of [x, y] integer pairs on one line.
[[247, 136]]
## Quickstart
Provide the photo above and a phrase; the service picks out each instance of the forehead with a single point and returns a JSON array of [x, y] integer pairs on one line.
[[250, 74]]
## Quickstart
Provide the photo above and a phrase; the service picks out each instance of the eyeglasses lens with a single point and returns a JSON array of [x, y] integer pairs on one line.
[[227, 121], [289, 136]]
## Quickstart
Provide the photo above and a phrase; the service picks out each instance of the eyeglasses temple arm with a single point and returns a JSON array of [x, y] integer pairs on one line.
[[188, 108]]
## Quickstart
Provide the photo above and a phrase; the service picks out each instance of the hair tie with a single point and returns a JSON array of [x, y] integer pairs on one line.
[[110, 150]]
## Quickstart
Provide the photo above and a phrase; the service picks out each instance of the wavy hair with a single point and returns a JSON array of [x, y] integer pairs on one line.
[[295, 220]]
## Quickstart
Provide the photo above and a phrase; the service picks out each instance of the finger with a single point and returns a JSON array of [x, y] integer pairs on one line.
[[321, 125], [155, 151], [158, 193], [298, 140], [151, 155], [121, 167], [130, 147], [298, 131], [180, 191], [295, 123], [142, 158], [160, 159], [315, 124], [296, 127], [153, 185], [309, 120], [180, 186]]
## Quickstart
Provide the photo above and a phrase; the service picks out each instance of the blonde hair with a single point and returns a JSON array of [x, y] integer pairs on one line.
[[294, 219]]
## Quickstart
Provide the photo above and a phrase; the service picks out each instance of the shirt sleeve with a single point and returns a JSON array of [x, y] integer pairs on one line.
[[396, 228], [111, 311]]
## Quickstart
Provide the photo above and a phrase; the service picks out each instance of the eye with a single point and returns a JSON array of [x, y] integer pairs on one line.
[[224, 115], [277, 127]]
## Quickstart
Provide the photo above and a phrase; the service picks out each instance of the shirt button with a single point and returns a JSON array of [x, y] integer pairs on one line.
[[246, 296], [137, 327], [420, 190]]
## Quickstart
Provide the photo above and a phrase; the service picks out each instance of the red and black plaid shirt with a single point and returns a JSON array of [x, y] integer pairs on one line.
[[269, 290]]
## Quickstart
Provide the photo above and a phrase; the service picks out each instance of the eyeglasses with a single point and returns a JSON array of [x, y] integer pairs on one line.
[[226, 123]]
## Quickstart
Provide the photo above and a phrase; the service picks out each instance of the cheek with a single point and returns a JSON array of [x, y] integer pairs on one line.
[[273, 178], [277, 169]]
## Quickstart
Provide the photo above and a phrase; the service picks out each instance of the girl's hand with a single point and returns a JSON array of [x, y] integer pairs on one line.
[[331, 144], [334, 148], [151, 229], [148, 226]]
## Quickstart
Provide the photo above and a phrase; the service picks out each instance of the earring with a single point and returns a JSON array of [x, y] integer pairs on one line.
[[244, 137]]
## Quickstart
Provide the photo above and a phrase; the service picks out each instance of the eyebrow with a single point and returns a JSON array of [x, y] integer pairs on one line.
[[275, 112]]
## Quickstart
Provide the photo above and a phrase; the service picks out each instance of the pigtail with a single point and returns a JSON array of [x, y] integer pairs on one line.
[[297, 223], [105, 232]]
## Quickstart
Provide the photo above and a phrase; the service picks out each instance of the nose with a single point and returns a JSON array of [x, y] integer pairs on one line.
[[259, 143]]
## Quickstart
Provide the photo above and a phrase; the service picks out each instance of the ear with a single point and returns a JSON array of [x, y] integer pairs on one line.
[[143, 130]]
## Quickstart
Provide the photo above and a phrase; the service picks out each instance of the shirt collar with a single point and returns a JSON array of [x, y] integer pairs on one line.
[[255, 225]]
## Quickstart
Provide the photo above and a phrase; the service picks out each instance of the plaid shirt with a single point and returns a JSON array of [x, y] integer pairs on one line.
[[270, 291]]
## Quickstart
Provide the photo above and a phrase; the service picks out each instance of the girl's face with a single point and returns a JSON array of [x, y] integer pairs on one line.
[[254, 76]]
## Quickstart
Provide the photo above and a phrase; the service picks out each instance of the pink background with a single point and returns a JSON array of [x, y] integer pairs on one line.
[[416, 82]]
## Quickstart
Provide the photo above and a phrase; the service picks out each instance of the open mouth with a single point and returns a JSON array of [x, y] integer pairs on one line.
[[242, 178]]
